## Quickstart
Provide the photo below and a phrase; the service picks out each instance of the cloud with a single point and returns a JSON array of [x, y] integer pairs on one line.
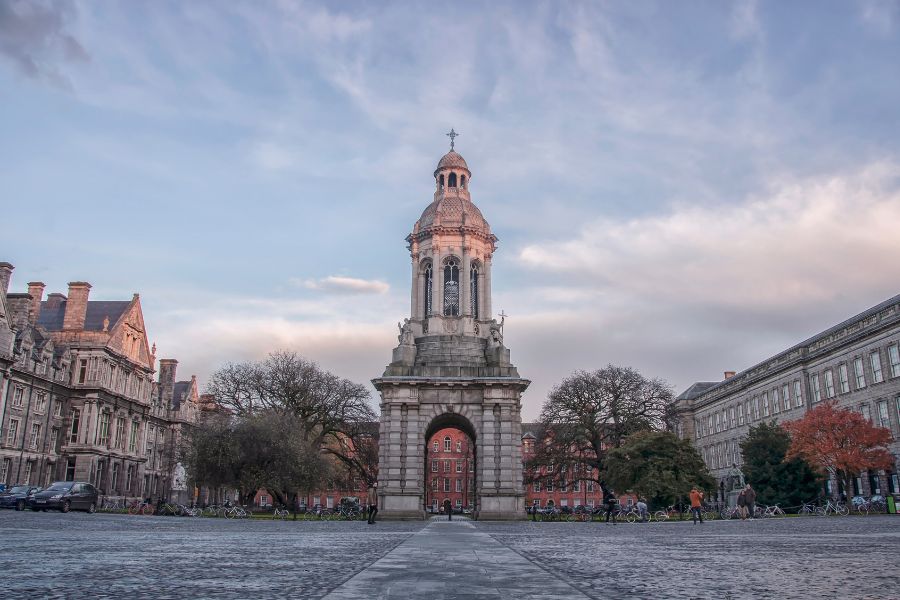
[[34, 39], [336, 284], [879, 15]]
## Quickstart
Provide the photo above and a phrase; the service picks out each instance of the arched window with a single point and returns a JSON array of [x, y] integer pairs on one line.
[[447, 442], [451, 180], [451, 289], [462, 181], [428, 278], [441, 181], [473, 289], [436, 446]]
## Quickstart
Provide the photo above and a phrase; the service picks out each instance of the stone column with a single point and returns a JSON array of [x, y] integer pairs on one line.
[[486, 292], [438, 282], [464, 292], [414, 291]]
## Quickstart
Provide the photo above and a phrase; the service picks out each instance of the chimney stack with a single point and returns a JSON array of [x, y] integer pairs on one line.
[[729, 374], [6, 270], [167, 368], [76, 305], [36, 291]]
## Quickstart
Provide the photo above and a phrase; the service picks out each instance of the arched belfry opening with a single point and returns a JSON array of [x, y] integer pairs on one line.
[[450, 380]]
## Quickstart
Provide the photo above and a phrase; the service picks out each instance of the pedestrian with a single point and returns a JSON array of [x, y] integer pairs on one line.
[[610, 499], [750, 495], [742, 504], [448, 509], [372, 501], [642, 509], [696, 505]]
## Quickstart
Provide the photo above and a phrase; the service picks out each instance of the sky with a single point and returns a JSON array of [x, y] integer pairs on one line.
[[684, 188]]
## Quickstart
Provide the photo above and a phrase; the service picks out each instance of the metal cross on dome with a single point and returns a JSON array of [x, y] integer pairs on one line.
[[452, 135]]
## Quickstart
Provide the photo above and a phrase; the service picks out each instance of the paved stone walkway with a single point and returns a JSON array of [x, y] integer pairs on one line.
[[453, 560]]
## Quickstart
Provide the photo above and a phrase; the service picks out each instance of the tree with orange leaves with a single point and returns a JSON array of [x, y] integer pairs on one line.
[[839, 441]]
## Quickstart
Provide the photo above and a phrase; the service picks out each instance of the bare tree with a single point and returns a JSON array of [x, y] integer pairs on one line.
[[588, 414]]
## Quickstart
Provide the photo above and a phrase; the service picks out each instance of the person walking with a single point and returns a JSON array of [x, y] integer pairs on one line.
[[742, 504], [609, 498], [448, 509], [696, 505], [642, 509], [750, 495], [372, 501]]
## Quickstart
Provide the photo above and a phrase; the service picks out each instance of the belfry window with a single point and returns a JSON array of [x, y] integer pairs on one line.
[[451, 180], [473, 287], [428, 278], [462, 181], [441, 181], [451, 289]]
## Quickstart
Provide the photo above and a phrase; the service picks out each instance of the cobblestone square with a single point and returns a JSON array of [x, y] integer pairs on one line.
[[116, 556]]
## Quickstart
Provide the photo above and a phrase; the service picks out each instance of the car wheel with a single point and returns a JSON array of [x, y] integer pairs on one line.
[[20, 505], [92, 508], [66, 507]]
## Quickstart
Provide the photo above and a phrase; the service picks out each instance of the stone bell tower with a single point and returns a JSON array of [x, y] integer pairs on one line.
[[450, 368]]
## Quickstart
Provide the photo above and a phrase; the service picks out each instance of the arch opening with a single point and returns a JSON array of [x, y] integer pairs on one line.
[[450, 465]]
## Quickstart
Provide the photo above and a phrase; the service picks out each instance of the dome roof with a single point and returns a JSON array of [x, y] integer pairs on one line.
[[452, 211], [452, 160]]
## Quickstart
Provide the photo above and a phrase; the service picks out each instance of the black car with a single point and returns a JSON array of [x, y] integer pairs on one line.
[[18, 496], [66, 496]]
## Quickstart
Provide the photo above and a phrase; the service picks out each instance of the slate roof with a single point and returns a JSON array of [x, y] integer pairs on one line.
[[52, 314], [181, 389], [696, 390]]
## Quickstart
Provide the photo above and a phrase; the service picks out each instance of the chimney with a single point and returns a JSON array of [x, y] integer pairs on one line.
[[55, 299], [76, 305], [36, 291], [19, 309], [729, 374], [6, 270], [167, 368]]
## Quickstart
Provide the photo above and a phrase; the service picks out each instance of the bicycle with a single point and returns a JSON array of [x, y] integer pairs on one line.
[[140, 507], [832, 508], [773, 511], [807, 509], [280, 513]]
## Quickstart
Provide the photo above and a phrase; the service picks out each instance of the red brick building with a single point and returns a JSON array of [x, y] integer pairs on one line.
[[562, 489], [449, 470]]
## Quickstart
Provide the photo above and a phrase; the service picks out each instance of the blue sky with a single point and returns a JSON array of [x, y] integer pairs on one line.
[[686, 188]]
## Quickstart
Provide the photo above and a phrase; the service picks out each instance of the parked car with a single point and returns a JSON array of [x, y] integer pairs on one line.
[[18, 496], [66, 496]]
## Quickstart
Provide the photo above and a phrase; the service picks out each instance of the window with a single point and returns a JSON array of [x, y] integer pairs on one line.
[[844, 378], [718, 422], [736, 458], [884, 419], [549, 486], [18, 397], [866, 413], [459, 445], [473, 290], [57, 408], [434, 483], [786, 396], [436, 447], [428, 277], [451, 288], [459, 485], [740, 414], [471, 466], [733, 417], [40, 403], [329, 502], [765, 401], [82, 370], [70, 469], [54, 440], [447, 443], [710, 425], [576, 485], [798, 399], [829, 383], [446, 466], [590, 486], [26, 476], [148, 447], [73, 432], [35, 436], [103, 428], [114, 484], [860, 374], [564, 486], [875, 360], [894, 357], [756, 409], [133, 437], [537, 486], [451, 180], [129, 477], [590, 503], [446, 484], [776, 402], [459, 464], [12, 433], [748, 411], [120, 433], [814, 382], [4, 470], [724, 419], [434, 466]]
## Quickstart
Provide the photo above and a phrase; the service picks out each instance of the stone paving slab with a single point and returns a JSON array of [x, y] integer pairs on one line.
[[453, 560]]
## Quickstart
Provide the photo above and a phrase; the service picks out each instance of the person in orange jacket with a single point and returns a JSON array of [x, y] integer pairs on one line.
[[696, 504]]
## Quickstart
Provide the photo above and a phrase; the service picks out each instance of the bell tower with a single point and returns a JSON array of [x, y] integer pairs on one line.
[[450, 367]]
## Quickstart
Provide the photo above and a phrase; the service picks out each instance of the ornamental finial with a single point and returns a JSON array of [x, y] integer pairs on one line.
[[452, 135]]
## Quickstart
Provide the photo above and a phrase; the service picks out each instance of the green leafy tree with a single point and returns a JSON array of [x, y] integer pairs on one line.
[[776, 480], [658, 466]]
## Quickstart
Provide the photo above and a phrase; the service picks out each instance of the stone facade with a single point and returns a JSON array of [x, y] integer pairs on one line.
[[77, 396], [856, 363], [450, 368]]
